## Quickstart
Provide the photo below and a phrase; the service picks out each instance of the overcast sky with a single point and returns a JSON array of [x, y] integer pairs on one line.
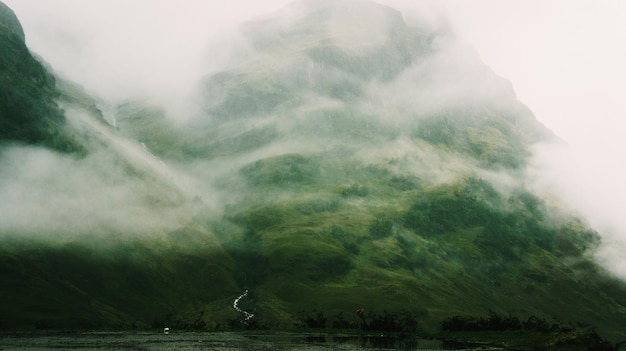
[[565, 59]]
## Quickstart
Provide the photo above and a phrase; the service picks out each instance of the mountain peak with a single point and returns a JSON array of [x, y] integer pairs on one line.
[[355, 69], [358, 27]]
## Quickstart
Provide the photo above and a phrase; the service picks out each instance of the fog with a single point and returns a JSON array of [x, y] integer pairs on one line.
[[564, 59], [45, 194], [449, 77], [131, 48]]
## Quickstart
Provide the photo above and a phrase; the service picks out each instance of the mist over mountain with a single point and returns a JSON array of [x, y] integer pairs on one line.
[[341, 160]]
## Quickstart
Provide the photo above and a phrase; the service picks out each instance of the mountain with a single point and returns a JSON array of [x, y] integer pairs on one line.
[[93, 228], [28, 111], [346, 167], [10, 22]]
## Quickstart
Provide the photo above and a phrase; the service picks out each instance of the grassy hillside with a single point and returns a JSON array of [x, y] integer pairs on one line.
[[434, 251], [392, 244], [114, 282]]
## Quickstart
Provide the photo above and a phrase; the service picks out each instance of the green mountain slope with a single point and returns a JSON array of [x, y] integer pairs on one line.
[[9, 21], [345, 167], [28, 111], [94, 231]]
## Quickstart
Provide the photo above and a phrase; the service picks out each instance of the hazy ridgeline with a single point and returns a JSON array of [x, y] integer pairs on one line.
[[337, 159]]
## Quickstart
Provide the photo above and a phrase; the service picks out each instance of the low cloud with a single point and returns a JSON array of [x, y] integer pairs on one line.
[[451, 76], [590, 185], [49, 194]]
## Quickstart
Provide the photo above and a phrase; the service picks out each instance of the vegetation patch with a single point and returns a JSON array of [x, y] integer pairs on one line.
[[285, 170]]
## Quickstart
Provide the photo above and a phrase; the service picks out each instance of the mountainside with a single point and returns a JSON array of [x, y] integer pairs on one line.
[[9, 21], [93, 228], [28, 111], [345, 167]]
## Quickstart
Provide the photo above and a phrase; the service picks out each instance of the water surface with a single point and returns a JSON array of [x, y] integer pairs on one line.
[[213, 341]]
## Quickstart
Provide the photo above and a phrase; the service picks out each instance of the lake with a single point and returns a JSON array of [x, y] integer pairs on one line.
[[224, 341]]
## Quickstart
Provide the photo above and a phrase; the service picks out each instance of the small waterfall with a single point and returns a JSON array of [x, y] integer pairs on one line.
[[246, 314]]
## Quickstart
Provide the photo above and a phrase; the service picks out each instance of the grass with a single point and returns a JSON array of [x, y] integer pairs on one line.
[[318, 248], [394, 264]]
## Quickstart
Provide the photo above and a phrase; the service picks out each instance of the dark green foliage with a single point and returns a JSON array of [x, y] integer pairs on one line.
[[539, 324], [285, 170], [573, 239], [381, 228], [496, 322], [347, 239], [385, 321], [412, 258], [486, 135], [75, 286], [310, 264], [28, 111], [532, 204], [508, 234], [354, 190], [475, 204], [252, 266], [484, 191], [315, 320], [9, 21], [395, 322], [445, 209], [403, 321], [318, 205], [339, 322], [404, 182], [261, 218]]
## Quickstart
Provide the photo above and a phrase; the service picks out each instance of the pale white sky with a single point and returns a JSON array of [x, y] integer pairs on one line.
[[565, 58]]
